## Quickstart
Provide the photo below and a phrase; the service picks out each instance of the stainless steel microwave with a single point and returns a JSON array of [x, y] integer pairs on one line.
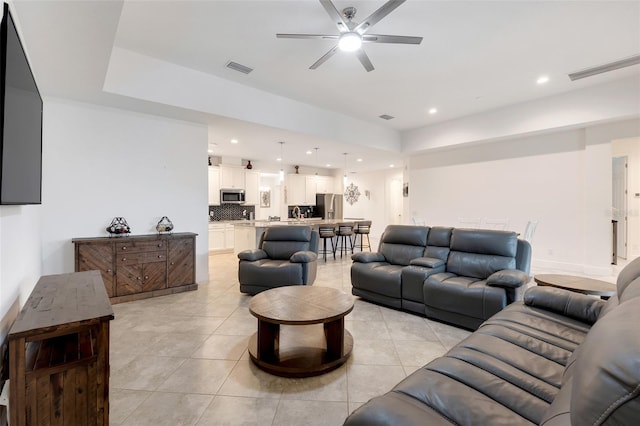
[[232, 196]]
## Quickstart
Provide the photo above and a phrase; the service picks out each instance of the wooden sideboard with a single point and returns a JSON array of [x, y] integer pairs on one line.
[[140, 266], [59, 353]]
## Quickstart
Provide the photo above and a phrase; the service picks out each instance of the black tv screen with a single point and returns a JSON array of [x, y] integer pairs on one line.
[[20, 121]]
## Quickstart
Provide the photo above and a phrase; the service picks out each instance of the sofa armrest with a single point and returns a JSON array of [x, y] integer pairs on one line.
[[427, 262], [368, 257], [252, 255], [509, 278], [303, 257], [574, 305]]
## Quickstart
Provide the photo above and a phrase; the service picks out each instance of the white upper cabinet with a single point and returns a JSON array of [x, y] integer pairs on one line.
[[296, 189], [214, 186], [324, 185], [231, 177]]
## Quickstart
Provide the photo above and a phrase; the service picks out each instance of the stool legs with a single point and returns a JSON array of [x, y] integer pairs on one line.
[[344, 247], [324, 248]]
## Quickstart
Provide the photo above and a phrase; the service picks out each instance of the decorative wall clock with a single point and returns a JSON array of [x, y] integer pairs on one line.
[[352, 194]]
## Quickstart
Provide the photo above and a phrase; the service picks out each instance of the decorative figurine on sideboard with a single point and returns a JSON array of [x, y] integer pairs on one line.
[[118, 227], [164, 226]]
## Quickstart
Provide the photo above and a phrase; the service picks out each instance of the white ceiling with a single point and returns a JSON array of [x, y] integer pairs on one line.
[[475, 56]]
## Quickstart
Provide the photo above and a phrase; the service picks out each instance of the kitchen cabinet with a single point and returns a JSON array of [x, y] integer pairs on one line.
[[231, 177], [251, 190], [214, 186], [324, 185], [221, 236], [296, 189], [140, 266], [310, 190]]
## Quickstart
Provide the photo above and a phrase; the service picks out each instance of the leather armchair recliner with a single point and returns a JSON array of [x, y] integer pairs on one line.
[[287, 255]]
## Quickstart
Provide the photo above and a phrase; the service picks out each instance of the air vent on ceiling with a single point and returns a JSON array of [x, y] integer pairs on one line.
[[239, 67], [387, 117], [611, 66]]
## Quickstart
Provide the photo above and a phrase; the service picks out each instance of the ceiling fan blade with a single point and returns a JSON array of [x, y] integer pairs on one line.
[[364, 60], [309, 36], [324, 58], [376, 38], [376, 16], [336, 16]]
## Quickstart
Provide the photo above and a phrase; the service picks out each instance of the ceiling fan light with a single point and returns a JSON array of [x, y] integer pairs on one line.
[[350, 42]]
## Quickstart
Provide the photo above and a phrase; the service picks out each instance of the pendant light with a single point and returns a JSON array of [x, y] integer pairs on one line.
[[317, 164]]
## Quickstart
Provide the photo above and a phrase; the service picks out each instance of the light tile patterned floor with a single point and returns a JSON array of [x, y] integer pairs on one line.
[[182, 359]]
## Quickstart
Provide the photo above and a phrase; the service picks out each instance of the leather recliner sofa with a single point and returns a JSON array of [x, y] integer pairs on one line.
[[557, 358], [462, 276], [287, 255]]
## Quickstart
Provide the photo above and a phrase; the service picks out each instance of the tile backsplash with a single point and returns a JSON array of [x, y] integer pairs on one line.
[[230, 212]]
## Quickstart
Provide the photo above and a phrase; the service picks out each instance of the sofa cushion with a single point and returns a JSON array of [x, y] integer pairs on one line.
[[377, 277], [467, 296], [401, 243], [280, 242], [568, 303], [480, 253], [270, 271], [606, 379]]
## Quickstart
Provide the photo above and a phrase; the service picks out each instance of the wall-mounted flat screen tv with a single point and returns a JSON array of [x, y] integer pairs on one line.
[[20, 121]]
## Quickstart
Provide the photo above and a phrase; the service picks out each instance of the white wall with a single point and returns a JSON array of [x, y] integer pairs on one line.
[[631, 149], [379, 206], [20, 260], [100, 163], [561, 179]]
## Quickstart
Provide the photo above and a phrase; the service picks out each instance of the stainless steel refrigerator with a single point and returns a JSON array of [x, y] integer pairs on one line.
[[329, 206]]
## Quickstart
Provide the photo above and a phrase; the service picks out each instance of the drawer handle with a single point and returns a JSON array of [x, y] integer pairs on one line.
[[124, 259], [124, 247], [138, 278], [160, 245], [173, 263], [109, 270], [146, 277], [159, 256]]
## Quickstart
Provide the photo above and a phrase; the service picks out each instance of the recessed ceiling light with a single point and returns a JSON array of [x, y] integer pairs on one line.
[[210, 151], [542, 79], [309, 152], [359, 160], [391, 165], [327, 165], [278, 159], [433, 111], [234, 141]]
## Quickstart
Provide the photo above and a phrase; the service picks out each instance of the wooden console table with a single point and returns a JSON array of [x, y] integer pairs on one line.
[[140, 266], [59, 353]]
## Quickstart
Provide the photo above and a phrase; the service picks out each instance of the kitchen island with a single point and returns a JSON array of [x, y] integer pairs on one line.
[[248, 232]]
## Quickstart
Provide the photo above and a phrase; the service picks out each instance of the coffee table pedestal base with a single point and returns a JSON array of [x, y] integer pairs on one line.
[[287, 358]]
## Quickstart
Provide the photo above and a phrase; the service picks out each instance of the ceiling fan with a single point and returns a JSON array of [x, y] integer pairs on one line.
[[353, 34]]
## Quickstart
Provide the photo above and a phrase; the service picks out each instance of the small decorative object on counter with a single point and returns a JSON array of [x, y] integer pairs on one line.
[[164, 225], [118, 227], [297, 169], [249, 165]]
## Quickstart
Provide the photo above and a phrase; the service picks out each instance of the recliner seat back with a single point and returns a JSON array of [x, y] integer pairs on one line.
[[478, 253], [402, 243], [438, 241], [281, 242]]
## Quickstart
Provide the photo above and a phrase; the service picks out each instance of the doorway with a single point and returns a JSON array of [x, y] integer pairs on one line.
[[619, 203]]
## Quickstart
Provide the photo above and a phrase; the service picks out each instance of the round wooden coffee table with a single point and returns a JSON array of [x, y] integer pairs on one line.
[[302, 351], [582, 285]]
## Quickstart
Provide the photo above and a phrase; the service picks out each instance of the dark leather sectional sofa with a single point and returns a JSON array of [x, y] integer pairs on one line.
[[462, 276], [556, 358]]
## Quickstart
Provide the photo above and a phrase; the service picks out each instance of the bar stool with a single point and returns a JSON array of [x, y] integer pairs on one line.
[[344, 234], [327, 232], [362, 229]]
